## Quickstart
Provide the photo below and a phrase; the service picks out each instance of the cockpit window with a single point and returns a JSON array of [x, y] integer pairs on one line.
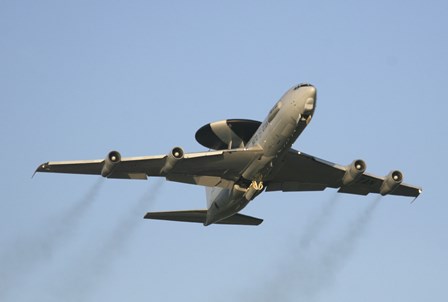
[[302, 85]]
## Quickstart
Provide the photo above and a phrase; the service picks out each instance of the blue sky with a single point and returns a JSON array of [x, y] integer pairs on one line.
[[81, 78]]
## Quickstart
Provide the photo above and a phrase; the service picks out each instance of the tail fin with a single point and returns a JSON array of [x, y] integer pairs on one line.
[[200, 216], [210, 195]]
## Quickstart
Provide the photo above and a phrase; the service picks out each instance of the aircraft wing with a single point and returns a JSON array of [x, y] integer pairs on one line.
[[302, 172], [213, 168]]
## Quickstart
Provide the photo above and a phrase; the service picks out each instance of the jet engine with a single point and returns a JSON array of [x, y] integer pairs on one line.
[[172, 158], [110, 163], [391, 182], [353, 172]]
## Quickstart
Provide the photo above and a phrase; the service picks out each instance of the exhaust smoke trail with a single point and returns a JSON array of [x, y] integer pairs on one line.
[[88, 272], [323, 272], [304, 274], [27, 253], [314, 228], [338, 252], [125, 228], [287, 273]]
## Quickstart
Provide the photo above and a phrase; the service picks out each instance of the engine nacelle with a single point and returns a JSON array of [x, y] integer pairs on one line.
[[111, 161], [391, 182], [353, 172], [172, 158]]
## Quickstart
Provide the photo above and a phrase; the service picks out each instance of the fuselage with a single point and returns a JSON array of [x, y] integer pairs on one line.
[[284, 123]]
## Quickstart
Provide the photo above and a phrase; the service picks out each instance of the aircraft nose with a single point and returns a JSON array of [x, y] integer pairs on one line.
[[310, 101], [311, 91]]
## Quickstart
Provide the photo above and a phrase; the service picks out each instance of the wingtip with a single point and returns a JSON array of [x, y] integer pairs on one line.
[[419, 192], [41, 168]]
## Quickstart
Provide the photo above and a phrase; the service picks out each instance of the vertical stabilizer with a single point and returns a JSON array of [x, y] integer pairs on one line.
[[211, 194]]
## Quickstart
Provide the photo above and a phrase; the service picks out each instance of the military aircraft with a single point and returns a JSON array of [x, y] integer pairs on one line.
[[246, 157]]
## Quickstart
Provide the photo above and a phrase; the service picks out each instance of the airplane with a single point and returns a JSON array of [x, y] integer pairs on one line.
[[245, 158]]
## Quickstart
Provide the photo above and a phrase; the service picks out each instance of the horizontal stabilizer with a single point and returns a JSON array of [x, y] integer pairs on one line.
[[200, 216]]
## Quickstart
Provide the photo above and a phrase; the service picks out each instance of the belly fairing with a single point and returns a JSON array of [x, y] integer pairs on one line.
[[226, 203]]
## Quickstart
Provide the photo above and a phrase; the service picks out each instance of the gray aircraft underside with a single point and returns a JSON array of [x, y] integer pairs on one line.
[[247, 158]]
